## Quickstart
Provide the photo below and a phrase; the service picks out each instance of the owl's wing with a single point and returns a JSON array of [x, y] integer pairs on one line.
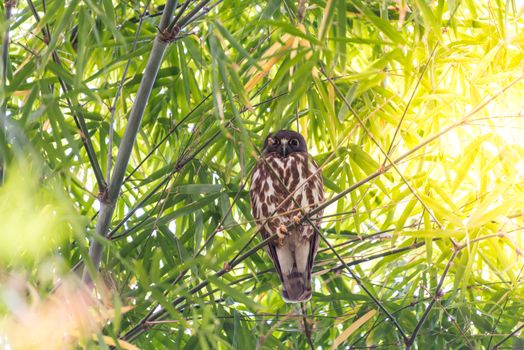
[[317, 186], [260, 209]]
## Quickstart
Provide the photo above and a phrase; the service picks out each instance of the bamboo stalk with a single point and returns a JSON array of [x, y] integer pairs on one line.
[[117, 96], [108, 201]]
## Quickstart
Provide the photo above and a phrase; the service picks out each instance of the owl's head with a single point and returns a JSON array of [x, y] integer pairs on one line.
[[284, 142]]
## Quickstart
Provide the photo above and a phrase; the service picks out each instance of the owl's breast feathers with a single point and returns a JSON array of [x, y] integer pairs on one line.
[[291, 186]]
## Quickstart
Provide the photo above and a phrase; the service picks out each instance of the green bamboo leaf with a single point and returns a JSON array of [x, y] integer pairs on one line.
[[236, 45], [429, 17], [433, 233], [199, 188], [379, 23], [237, 295], [440, 211]]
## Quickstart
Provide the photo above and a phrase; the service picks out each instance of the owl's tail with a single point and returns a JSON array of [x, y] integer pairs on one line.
[[296, 287]]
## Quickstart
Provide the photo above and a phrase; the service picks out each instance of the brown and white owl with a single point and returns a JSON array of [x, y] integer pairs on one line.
[[286, 184]]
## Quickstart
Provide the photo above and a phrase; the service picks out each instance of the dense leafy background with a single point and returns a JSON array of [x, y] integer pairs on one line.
[[433, 86]]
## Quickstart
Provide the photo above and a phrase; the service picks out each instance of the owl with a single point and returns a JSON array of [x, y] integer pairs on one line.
[[286, 183]]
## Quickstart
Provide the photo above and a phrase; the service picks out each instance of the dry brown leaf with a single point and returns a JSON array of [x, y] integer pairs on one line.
[[270, 57], [352, 328]]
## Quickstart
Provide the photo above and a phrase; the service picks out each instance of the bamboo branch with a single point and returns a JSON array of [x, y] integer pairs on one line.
[[117, 96], [397, 129], [503, 309], [377, 256], [188, 18], [496, 346], [438, 294], [108, 202]]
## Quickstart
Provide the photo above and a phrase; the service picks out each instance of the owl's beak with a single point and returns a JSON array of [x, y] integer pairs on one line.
[[283, 149]]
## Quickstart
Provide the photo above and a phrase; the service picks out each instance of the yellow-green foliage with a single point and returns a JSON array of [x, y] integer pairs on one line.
[[413, 109], [35, 215]]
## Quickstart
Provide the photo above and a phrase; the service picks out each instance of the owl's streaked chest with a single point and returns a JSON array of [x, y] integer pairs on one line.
[[288, 171], [275, 178]]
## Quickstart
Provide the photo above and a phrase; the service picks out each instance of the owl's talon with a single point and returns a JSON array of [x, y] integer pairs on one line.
[[282, 230], [281, 235], [296, 219]]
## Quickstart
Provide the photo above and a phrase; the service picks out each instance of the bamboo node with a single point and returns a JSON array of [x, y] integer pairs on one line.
[[168, 35]]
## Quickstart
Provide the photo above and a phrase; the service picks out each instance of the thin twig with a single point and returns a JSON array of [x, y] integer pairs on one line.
[[377, 256], [397, 129], [503, 309], [307, 329], [438, 295], [496, 346]]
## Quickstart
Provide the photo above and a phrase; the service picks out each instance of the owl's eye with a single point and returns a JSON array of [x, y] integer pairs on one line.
[[276, 141], [294, 142]]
